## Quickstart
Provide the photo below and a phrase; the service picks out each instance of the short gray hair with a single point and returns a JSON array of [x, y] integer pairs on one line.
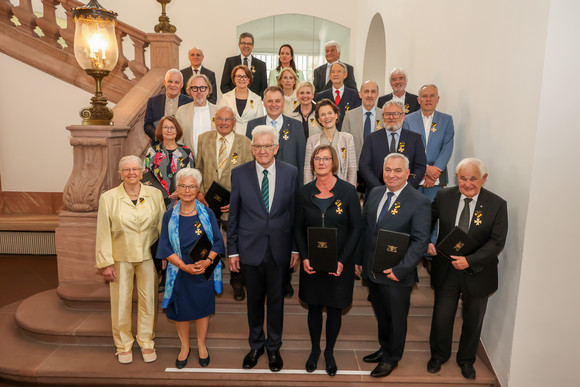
[[125, 159], [428, 85], [397, 156], [398, 70], [332, 43], [188, 172], [398, 104], [471, 161], [266, 129], [173, 71], [341, 64]]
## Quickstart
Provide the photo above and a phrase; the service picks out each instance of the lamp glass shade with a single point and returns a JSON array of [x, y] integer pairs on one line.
[[95, 43]]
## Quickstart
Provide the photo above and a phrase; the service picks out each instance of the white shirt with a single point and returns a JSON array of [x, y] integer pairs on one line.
[[385, 197], [201, 124], [271, 180], [400, 99], [193, 71], [171, 105], [389, 137], [279, 122], [229, 144], [372, 117], [427, 126], [340, 91], [249, 61], [462, 205]]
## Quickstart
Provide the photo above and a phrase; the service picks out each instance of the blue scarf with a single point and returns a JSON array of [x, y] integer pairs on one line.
[[176, 246]]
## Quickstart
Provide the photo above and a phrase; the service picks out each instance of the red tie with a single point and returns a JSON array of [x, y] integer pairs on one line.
[[337, 98], [195, 70]]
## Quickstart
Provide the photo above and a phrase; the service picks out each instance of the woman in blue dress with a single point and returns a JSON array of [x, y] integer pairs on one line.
[[188, 295]]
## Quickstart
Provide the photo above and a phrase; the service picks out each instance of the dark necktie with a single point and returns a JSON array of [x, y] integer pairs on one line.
[[385, 207], [367, 127], [266, 190], [195, 70], [463, 223], [337, 98], [393, 148], [246, 61]]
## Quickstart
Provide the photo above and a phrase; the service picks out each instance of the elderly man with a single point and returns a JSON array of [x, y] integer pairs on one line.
[[196, 59], [322, 73], [398, 80], [395, 207], [260, 240], [393, 139], [256, 66], [344, 97], [483, 215], [165, 104]]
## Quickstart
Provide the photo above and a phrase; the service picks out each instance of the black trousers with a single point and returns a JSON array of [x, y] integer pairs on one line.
[[265, 283], [444, 310], [236, 280], [391, 306]]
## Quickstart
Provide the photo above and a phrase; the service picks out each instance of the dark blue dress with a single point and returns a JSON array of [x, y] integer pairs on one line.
[[193, 296]]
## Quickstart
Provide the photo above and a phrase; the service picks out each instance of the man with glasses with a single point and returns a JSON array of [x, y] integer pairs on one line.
[[196, 58], [260, 240], [256, 66], [393, 139]]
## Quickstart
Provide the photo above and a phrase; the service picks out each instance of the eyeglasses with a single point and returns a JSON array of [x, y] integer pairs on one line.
[[245, 44], [241, 77], [198, 88], [187, 187], [168, 128], [267, 148], [324, 159], [226, 119], [127, 170], [393, 114]]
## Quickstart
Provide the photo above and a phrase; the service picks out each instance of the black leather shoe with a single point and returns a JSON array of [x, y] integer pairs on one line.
[[382, 370], [251, 359], [179, 364], [433, 365], [239, 294], [467, 371], [275, 361], [375, 357], [330, 364], [312, 361], [288, 291], [203, 362]]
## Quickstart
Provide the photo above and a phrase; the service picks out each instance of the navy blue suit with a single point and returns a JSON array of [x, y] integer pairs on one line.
[[156, 110], [264, 242], [292, 142], [376, 148], [411, 102], [258, 68], [349, 100]]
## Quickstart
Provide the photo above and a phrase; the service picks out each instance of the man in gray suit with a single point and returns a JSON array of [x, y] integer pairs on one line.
[[322, 73]]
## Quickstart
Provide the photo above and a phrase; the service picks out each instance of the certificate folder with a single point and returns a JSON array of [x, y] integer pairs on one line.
[[457, 242], [200, 251], [390, 249], [216, 197], [150, 180], [322, 249]]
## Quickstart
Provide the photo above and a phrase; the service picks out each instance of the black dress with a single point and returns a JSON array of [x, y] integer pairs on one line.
[[344, 214]]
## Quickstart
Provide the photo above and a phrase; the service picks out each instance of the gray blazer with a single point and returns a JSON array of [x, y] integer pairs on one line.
[[353, 124]]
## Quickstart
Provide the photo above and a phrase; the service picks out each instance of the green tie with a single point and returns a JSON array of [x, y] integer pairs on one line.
[[266, 190]]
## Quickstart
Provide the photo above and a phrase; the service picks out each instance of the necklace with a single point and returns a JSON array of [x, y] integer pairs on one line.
[[187, 212]]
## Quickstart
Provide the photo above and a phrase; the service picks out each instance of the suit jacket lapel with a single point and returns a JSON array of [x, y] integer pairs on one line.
[[374, 209], [480, 206], [211, 145]]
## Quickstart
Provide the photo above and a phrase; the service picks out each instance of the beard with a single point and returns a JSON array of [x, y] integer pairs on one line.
[[394, 128]]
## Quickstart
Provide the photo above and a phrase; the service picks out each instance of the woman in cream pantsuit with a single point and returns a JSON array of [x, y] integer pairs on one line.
[[128, 223]]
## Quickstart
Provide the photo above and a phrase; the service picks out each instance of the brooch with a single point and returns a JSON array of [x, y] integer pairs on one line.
[[347, 107], [433, 127], [295, 103], [395, 209], [285, 136], [406, 108], [141, 200], [343, 151], [338, 204], [234, 158], [181, 164], [253, 69], [252, 103], [477, 215], [312, 122], [378, 124], [401, 147], [198, 230]]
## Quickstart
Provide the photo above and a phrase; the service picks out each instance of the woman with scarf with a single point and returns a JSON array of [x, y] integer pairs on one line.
[[188, 295]]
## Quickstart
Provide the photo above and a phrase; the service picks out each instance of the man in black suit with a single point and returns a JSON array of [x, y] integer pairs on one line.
[[401, 208], [196, 59], [483, 215], [260, 240], [322, 73], [258, 68], [344, 97], [398, 80]]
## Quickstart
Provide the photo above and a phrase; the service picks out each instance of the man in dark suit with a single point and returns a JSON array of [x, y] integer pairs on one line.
[[260, 240], [395, 207], [165, 104], [292, 140], [196, 59], [393, 139], [344, 97], [258, 68], [322, 73], [398, 80], [483, 215]]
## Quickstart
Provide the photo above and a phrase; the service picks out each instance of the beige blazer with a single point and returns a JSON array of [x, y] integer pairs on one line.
[[343, 144], [353, 124], [253, 109], [184, 115]]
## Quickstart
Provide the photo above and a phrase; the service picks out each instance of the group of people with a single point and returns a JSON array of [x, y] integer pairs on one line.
[[294, 153]]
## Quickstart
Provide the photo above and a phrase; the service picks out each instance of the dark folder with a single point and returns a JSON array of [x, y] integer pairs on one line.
[[216, 197], [150, 180], [322, 249], [457, 242], [390, 249], [200, 251]]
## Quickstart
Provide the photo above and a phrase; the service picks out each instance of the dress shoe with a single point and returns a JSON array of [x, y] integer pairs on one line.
[[375, 357], [288, 291], [125, 357], [239, 294], [330, 364], [149, 357], [467, 371], [312, 361], [179, 364], [203, 362], [275, 361], [382, 370], [251, 359], [433, 365]]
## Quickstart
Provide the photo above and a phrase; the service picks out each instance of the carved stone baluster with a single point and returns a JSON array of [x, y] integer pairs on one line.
[[6, 12], [122, 62], [47, 23], [68, 34], [26, 17], [137, 65]]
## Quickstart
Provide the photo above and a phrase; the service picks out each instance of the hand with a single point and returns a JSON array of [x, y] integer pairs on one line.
[[174, 196], [391, 275], [358, 269], [307, 268], [460, 263], [433, 172], [225, 208], [109, 273], [294, 259], [428, 182], [339, 268], [195, 268], [431, 250], [235, 264], [201, 198]]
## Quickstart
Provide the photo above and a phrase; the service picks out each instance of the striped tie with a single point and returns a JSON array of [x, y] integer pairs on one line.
[[266, 190], [222, 156]]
